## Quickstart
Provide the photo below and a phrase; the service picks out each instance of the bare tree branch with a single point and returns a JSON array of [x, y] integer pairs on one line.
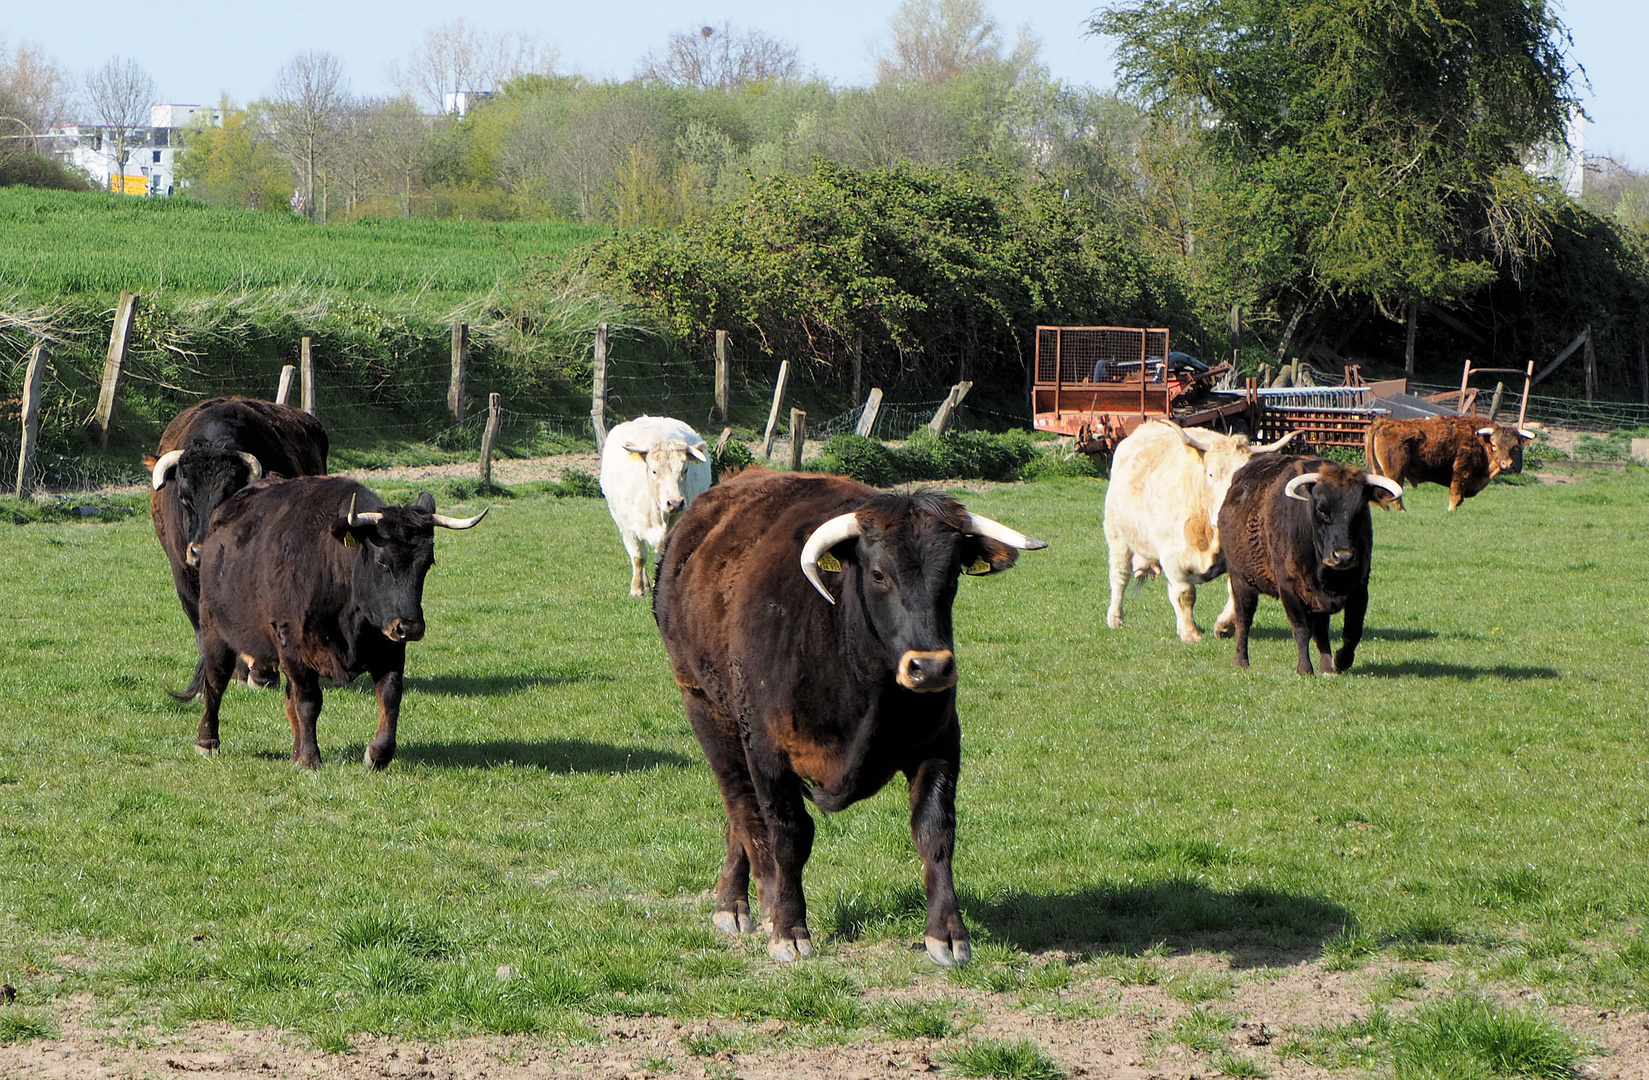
[[311, 97], [712, 58], [119, 95], [456, 57]]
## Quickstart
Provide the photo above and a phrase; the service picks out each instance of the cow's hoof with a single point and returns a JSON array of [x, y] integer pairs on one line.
[[207, 749], [734, 922], [1114, 621], [1192, 638], [378, 760], [1224, 630], [953, 953], [789, 950], [1343, 661]]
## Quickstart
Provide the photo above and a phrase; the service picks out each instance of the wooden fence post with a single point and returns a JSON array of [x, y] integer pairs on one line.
[[1236, 336], [283, 391], [947, 408], [306, 374], [867, 419], [460, 366], [722, 377], [798, 436], [111, 367], [1590, 356], [598, 389], [495, 416], [773, 413], [31, 418], [1494, 402]]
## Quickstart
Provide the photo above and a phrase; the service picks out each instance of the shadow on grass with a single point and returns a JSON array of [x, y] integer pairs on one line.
[[1426, 669], [1253, 925], [1371, 633], [496, 685], [551, 755]]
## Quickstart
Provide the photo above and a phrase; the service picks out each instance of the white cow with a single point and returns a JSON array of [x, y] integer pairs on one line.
[[651, 468], [1162, 508]]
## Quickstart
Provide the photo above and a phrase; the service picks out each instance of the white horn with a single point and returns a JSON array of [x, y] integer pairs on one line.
[[167, 461], [369, 517], [1273, 447], [253, 466], [826, 536], [1291, 489], [445, 522], [984, 526], [1522, 434], [1485, 431], [1388, 483]]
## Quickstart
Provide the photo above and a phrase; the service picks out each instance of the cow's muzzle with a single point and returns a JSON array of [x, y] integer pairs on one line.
[[191, 557], [405, 630], [1340, 559], [927, 672]]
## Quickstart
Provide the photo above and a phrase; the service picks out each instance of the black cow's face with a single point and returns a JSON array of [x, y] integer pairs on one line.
[[1337, 496], [905, 566], [1500, 445], [392, 556], [208, 473]]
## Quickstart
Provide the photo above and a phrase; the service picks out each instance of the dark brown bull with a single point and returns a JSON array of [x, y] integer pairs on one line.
[[1464, 452], [1298, 529], [208, 452], [318, 576], [808, 621]]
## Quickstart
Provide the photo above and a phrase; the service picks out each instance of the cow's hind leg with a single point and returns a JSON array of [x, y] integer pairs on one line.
[[1244, 600], [217, 664], [1182, 593], [387, 681], [1302, 622], [1121, 565], [933, 828], [790, 839]]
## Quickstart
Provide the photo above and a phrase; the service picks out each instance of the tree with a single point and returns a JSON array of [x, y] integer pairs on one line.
[[311, 97], [712, 58], [120, 94], [234, 164], [935, 41], [1355, 148], [456, 57], [35, 95]]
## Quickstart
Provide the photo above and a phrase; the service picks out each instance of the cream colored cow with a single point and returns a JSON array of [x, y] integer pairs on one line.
[[1161, 509]]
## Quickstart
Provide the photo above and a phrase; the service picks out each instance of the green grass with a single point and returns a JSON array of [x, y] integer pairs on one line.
[[59, 242], [1473, 791], [1019, 1060]]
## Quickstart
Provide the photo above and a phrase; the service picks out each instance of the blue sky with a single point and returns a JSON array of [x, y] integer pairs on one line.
[[196, 49]]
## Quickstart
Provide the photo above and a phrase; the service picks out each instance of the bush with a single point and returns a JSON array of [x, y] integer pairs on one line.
[[967, 455], [866, 460], [734, 455]]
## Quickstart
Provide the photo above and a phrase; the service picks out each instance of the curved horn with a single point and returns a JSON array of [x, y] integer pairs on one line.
[[167, 461], [1485, 430], [1292, 488], [1388, 483], [826, 536], [1525, 434], [444, 522], [1273, 447], [253, 466], [984, 526], [367, 517]]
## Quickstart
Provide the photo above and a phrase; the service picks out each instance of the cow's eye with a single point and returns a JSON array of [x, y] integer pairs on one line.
[[877, 576]]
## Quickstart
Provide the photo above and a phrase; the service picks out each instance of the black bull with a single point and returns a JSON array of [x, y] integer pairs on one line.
[[822, 689], [319, 577], [207, 453]]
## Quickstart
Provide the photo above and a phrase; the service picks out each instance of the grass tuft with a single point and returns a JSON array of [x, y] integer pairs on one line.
[[1469, 1036], [1020, 1060], [921, 1018], [20, 1025]]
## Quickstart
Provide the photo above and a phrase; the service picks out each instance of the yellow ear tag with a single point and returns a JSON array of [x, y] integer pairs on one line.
[[980, 566], [350, 541], [827, 561]]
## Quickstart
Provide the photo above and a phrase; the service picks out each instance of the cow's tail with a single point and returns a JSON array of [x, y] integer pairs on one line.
[[1371, 460], [196, 683]]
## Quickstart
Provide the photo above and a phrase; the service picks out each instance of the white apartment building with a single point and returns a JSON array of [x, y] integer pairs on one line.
[[149, 150]]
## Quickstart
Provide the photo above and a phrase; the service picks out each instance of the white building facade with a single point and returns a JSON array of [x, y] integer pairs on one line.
[[150, 151]]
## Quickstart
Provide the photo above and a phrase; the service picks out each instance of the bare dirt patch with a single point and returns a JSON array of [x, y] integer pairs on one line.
[[1094, 1028]]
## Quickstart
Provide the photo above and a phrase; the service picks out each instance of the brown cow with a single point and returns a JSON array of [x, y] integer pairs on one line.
[[808, 622], [1298, 529], [1464, 452]]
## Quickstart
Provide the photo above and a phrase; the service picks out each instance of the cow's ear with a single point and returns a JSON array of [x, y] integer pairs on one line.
[[150, 461], [699, 451], [638, 451], [349, 536], [425, 503], [981, 555]]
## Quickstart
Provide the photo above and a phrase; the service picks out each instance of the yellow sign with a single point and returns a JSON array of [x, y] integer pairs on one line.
[[128, 184]]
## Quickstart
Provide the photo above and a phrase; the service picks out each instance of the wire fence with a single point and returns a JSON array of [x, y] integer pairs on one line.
[[1560, 412]]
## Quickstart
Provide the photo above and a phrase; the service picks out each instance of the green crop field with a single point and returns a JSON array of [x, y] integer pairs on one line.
[[1472, 798], [66, 243]]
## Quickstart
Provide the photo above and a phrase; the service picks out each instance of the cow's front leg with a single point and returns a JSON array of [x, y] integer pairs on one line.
[[1182, 593], [638, 563], [387, 680], [1300, 622], [303, 709], [1352, 633], [1319, 636], [933, 828], [790, 839]]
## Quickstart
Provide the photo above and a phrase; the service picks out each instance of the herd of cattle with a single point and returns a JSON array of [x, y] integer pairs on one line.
[[807, 618]]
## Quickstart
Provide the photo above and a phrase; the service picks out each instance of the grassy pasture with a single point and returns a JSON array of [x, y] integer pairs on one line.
[[60, 242], [1474, 792]]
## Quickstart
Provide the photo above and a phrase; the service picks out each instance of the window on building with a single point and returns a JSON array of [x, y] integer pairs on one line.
[[157, 157]]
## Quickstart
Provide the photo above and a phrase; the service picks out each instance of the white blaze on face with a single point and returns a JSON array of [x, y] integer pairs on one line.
[[665, 463]]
